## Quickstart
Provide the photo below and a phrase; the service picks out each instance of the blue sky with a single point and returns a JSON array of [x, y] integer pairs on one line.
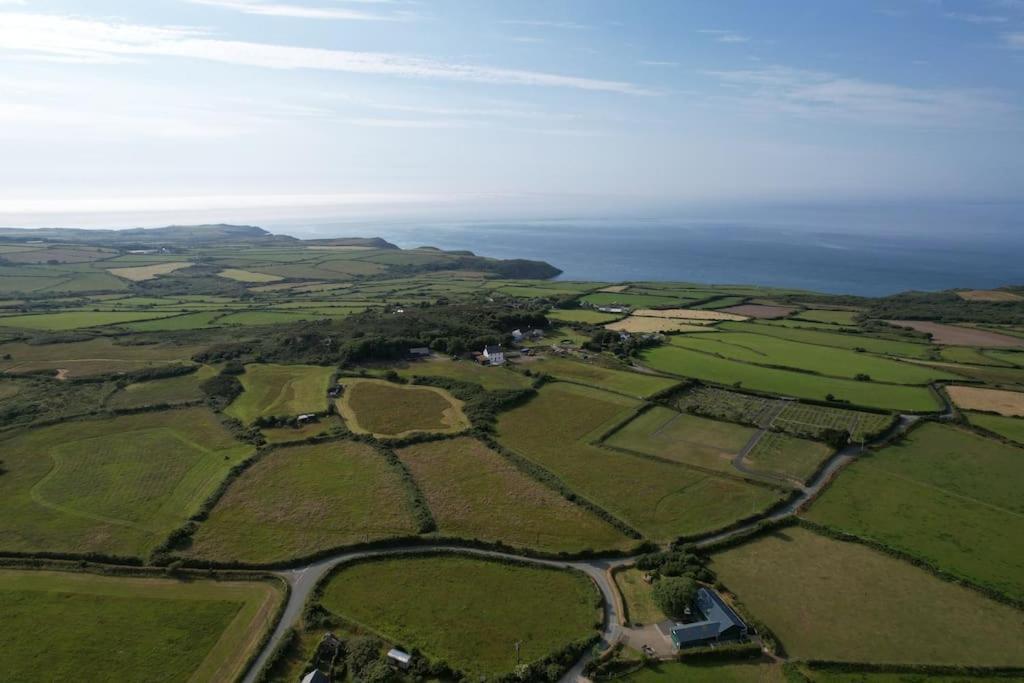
[[224, 109]]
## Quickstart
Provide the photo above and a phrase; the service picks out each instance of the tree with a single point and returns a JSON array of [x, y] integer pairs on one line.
[[674, 594]]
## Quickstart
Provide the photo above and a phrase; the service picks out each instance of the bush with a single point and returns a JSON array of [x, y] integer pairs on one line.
[[673, 595]]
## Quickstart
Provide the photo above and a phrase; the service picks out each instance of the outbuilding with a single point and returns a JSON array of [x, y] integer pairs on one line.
[[399, 658]]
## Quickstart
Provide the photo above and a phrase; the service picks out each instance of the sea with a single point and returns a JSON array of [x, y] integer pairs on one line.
[[868, 250]]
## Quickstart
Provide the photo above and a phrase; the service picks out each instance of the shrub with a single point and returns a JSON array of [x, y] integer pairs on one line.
[[674, 595]]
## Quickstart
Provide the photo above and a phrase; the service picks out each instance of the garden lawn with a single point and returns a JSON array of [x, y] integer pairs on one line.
[[115, 486], [1011, 428], [296, 501], [621, 381], [475, 493], [489, 378], [688, 363], [84, 627], [684, 438], [280, 390], [943, 494], [466, 611], [662, 500], [372, 406], [830, 600], [638, 597]]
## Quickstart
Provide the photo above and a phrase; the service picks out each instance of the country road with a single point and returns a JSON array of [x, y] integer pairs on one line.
[[304, 579]]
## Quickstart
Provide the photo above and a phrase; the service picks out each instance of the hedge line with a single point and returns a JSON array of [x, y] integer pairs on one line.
[[420, 509], [922, 669]]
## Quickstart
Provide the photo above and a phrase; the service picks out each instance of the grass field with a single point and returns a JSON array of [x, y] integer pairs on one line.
[[743, 672], [943, 494], [823, 360], [688, 363], [281, 390], [248, 276], [839, 340], [467, 612], [684, 438], [372, 406], [467, 371], [475, 493], [633, 300], [637, 596], [956, 335], [117, 486], [325, 425], [94, 356], [159, 391], [621, 381], [1010, 427], [819, 675], [1007, 403], [788, 455], [971, 356], [73, 320], [662, 500], [826, 316], [299, 500], [84, 627], [582, 315], [140, 273], [826, 599]]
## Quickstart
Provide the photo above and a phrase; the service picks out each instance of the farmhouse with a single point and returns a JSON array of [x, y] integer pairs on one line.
[[493, 355], [399, 658], [719, 623]]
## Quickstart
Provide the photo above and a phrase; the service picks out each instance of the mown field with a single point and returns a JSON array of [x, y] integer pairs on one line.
[[281, 390], [465, 611], [943, 494], [66, 626], [386, 409], [684, 438], [115, 486], [687, 363], [475, 493], [621, 381], [662, 500], [298, 500], [466, 371], [826, 599]]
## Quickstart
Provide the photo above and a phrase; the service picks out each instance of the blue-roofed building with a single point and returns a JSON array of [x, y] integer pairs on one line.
[[719, 623]]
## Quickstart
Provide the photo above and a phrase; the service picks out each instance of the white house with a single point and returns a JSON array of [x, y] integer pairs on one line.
[[494, 355]]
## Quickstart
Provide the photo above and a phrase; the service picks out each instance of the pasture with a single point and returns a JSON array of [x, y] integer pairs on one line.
[[162, 391], [489, 378], [696, 672], [764, 311], [820, 315], [280, 390], [943, 494], [73, 320], [620, 381], [688, 363], [329, 424], [1006, 403], [838, 339], [141, 273], [372, 406], [475, 493], [684, 438], [100, 355], [660, 499], [788, 455], [1011, 428], [296, 501], [826, 599], [86, 627], [248, 276], [466, 611], [115, 486]]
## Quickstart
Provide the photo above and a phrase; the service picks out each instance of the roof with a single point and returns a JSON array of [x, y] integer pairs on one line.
[[492, 348], [399, 656], [691, 633], [718, 618], [315, 676], [420, 351]]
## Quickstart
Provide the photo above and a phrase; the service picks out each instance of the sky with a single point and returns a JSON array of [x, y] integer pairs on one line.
[[155, 111]]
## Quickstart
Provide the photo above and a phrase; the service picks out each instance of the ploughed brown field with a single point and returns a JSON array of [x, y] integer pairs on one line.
[[759, 311], [960, 336]]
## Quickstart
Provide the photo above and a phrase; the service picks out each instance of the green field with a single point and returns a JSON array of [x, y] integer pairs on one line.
[[72, 320], [330, 424], [621, 381], [634, 300], [372, 406], [1010, 427], [638, 598], [582, 315], [826, 316], [467, 371], [837, 339], [943, 494], [283, 390], [94, 356], [248, 276], [788, 455], [820, 675], [116, 486], [662, 500], [162, 391], [825, 599], [467, 612], [744, 672], [687, 363], [684, 438], [822, 360], [84, 627], [299, 500], [475, 493]]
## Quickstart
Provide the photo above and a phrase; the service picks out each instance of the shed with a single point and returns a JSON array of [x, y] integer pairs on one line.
[[419, 352], [399, 658], [316, 676]]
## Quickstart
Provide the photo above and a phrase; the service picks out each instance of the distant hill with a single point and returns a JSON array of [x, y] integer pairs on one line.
[[171, 235], [371, 242]]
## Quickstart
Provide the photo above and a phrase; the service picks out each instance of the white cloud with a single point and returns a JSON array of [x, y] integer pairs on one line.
[[724, 36], [816, 94], [259, 7], [92, 40]]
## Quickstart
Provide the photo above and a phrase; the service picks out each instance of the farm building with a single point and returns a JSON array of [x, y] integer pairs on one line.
[[419, 352], [719, 623], [306, 417], [399, 658], [493, 355]]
